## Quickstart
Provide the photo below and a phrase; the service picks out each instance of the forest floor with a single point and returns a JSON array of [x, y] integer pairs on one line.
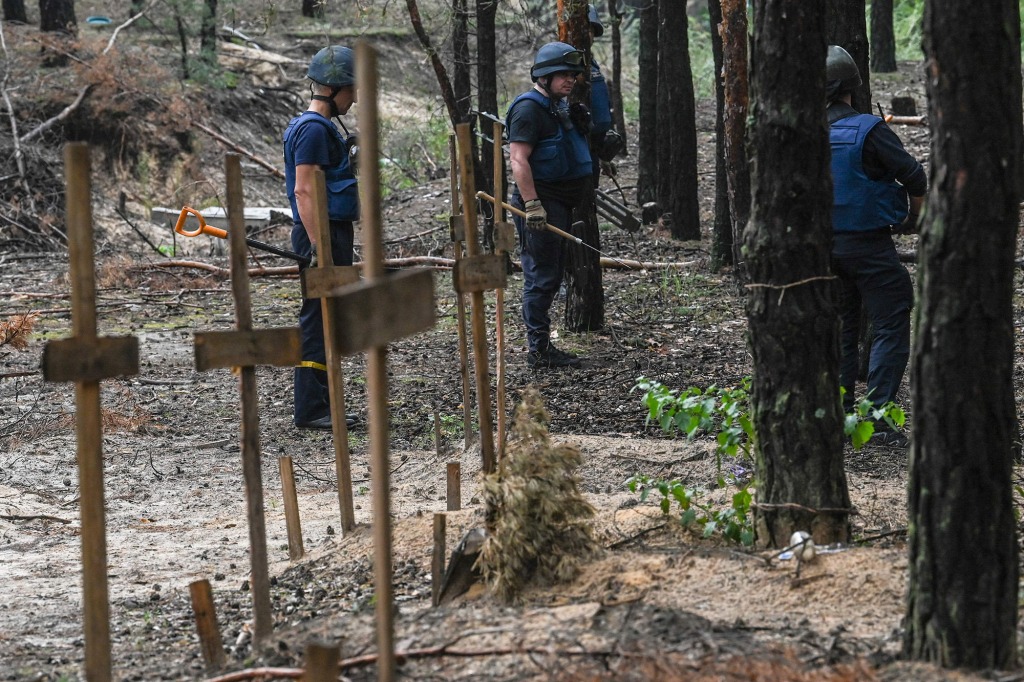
[[655, 600]]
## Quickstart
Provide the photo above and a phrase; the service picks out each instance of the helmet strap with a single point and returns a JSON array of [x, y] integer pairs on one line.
[[330, 101], [545, 84]]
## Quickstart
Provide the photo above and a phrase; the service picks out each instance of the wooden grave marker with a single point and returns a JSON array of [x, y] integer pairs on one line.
[[321, 282], [457, 228], [407, 303], [479, 324], [86, 359], [243, 349], [504, 242]]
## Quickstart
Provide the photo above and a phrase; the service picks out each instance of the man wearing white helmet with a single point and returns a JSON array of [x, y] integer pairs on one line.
[[552, 169], [311, 143]]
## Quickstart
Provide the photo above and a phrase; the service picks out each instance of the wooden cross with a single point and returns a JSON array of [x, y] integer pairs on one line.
[[475, 274], [321, 282], [457, 230], [85, 359], [242, 350], [372, 313], [504, 242]]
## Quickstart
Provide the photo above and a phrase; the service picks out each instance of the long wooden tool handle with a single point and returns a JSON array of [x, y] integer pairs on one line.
[[522, 214]]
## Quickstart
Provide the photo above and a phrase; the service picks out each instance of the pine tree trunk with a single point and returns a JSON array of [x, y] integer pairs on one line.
[[677, 159], [313, 9], [847, 27], [486, 80], [883, 42], [963, 581], [14, 10], [614, 91], [647, 161], [790, 307], [721, 233], [208, 35], [734, 115]]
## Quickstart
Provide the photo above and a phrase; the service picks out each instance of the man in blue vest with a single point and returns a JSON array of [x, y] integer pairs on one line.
[[311, 143], [551, 165], [878, 189]]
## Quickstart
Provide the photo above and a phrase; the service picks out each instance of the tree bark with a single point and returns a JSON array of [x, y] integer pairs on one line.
[[736, 105], [486, 79], [883, 41], [58, 17], [721, 232], [801, 484], [963, 579], [14, 10], [677, 124], [614, 91], [647, 162], [847, 27], [208, 35], [584, 297]]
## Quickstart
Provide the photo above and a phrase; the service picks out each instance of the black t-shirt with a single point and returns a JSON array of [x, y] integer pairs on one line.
[[529, 122]]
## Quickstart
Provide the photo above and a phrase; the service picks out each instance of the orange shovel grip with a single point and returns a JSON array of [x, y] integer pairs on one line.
[[179, 227]]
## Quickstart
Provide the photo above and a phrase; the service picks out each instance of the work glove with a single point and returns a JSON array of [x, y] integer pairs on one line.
[[352, 142], [312, 255], [536, 216]]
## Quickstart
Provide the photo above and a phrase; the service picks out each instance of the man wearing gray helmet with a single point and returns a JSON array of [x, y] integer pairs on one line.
[[311, 143], [551, 165], [878, 189]]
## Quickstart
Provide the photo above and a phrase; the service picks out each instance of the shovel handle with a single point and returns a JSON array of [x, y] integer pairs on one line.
[[179, 227], [522, 214]]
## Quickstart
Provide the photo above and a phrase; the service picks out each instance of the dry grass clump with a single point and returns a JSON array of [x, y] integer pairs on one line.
[[15, 330], [538, 525]]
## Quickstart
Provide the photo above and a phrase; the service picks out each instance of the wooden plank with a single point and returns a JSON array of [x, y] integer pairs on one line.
[[335, 376], [438, 558], [321, 663], [454, 486], [460, 300], [205, 613], [486, 272], [291, 508], [223, 349], [457, 227], [90, 360], [321, 281], [373, 313], [504, 237]]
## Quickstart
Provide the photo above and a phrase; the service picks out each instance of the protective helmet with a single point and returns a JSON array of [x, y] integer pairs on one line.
[[841, 73], [555, 57], [595, 21], [333, 66]]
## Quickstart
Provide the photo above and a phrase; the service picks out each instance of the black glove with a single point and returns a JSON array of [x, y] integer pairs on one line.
[[352, 142], [536, 216], [312, 255], [909, 225], [579, 114], [610, 146]]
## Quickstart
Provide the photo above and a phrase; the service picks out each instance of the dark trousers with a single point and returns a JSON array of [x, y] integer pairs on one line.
[[312, 398], [543, 260], [874, 278]]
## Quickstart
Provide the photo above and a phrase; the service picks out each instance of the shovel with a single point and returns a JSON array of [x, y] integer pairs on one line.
[[223, 234]]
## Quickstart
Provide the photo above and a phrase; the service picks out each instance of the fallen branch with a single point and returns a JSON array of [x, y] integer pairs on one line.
[[621, 264], [234, 147], [32, 517], [68, 110], [291, 270]]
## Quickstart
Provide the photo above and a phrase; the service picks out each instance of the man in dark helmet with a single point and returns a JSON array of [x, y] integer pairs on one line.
[[311, 143], [878, 189], [552, 169]]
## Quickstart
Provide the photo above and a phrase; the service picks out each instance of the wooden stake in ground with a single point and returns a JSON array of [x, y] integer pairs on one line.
[[206, 625], [242, 350], [480, 362], [504, 242], [291, 508], [86, 359], [321, 282], [371, 314], [457, 227]]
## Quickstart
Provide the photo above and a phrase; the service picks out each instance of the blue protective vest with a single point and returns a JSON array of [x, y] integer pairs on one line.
[[563, 156], [342, 187], [600, 103], [861, 204]]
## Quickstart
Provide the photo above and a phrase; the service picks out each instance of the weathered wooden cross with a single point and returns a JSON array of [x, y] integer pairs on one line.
[[371, 314], [457, 231], [85, 359], [475, 274], [242, 350]]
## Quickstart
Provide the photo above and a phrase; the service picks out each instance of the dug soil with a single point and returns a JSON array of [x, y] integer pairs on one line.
[[655, 601]]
